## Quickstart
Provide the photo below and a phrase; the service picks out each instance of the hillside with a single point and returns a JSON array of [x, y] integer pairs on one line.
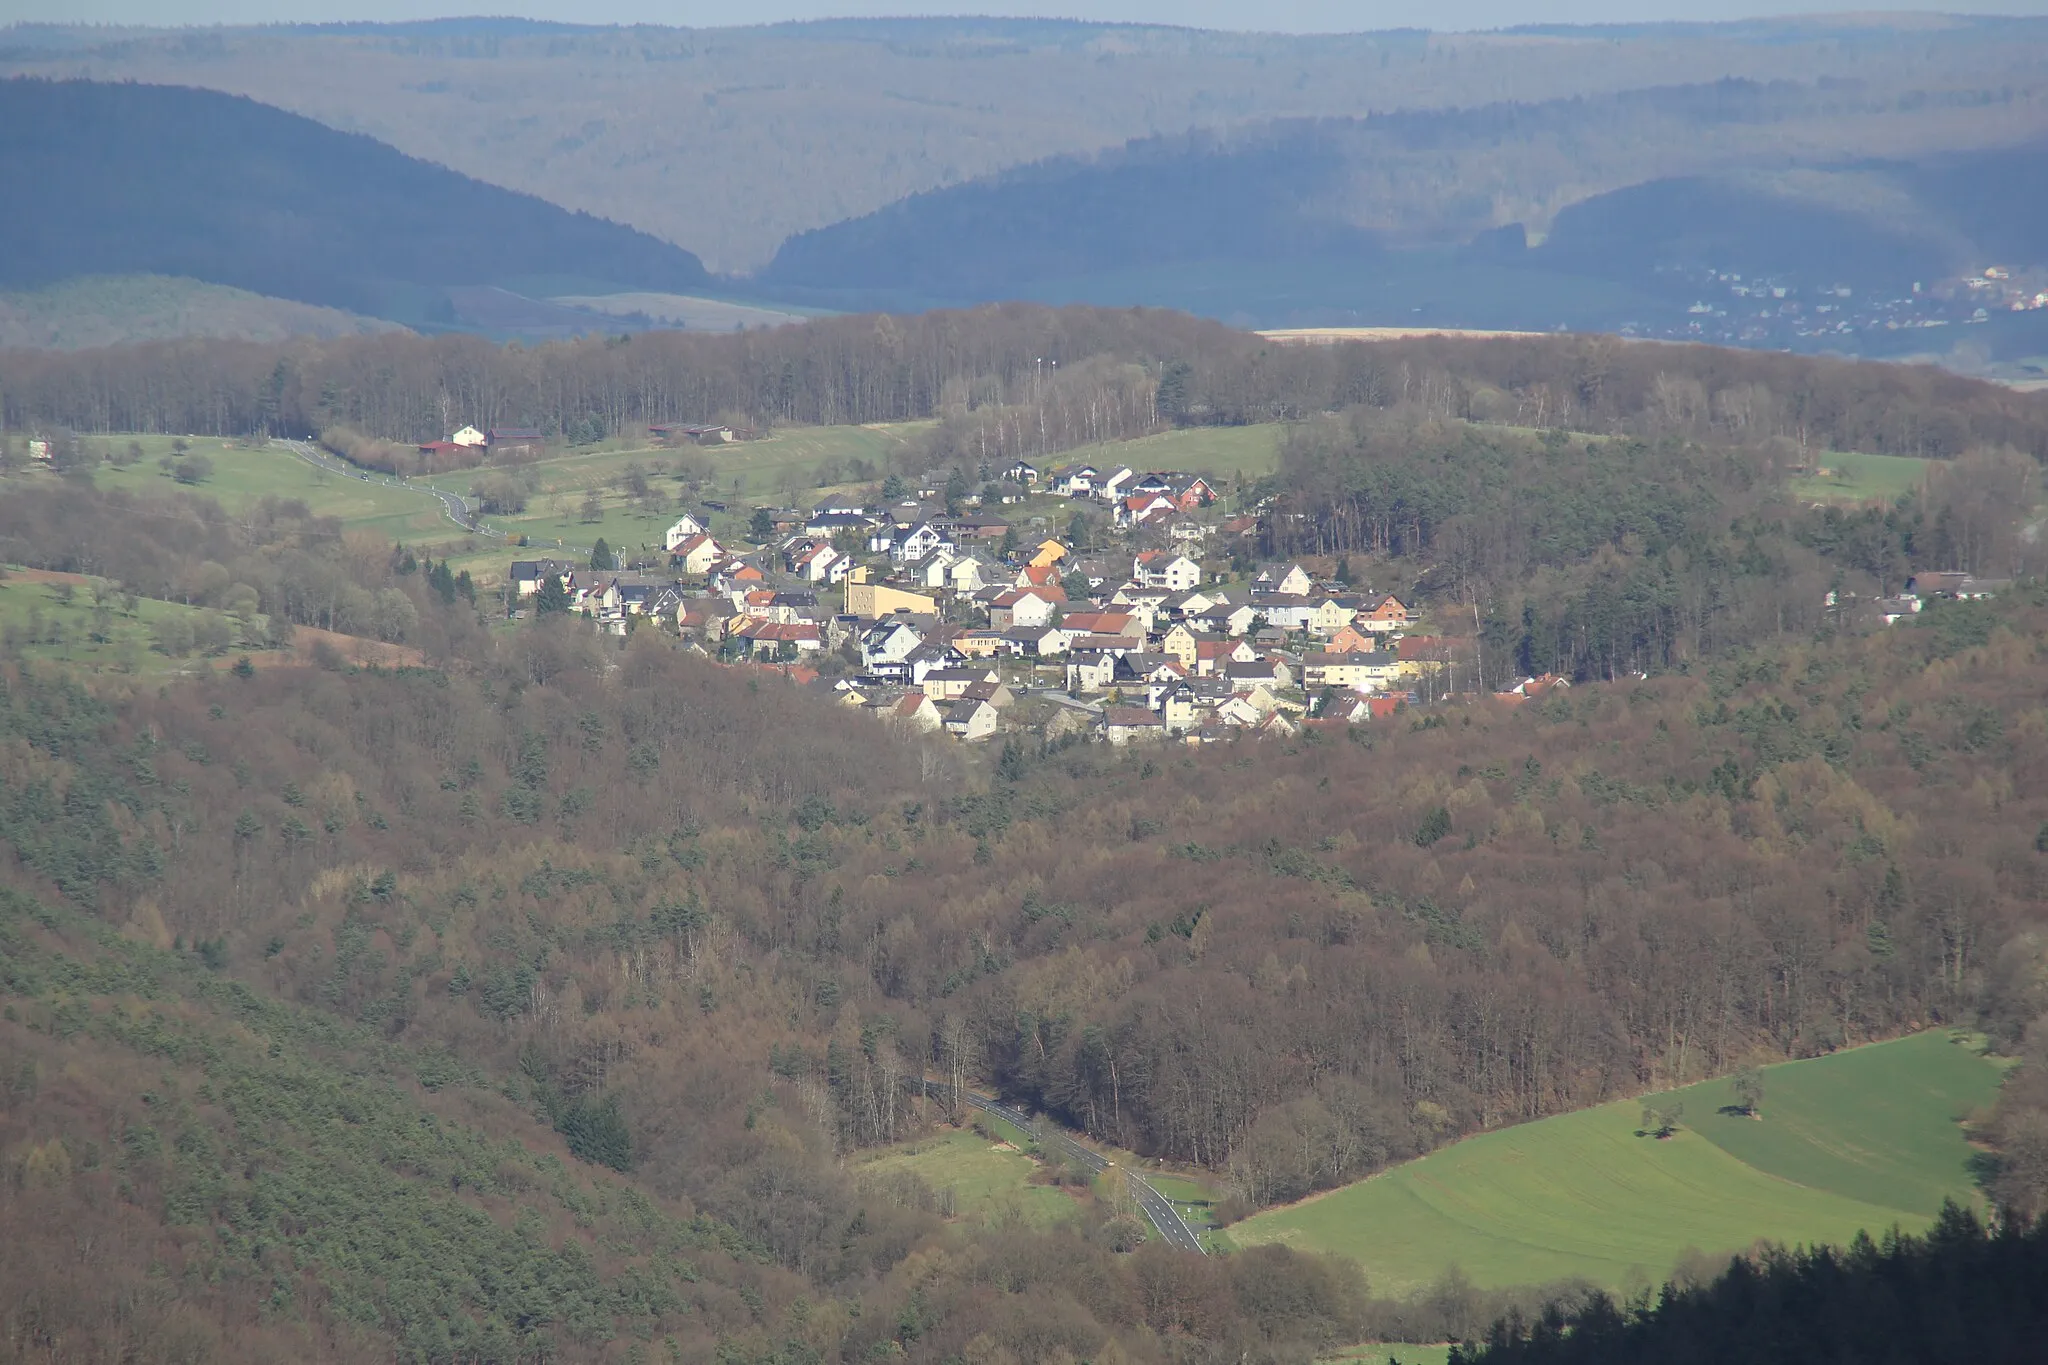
[[108, 310], [1859, 1141], [158, 180], [728, 141]]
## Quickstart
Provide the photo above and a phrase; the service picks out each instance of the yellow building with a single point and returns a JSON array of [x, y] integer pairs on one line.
[[1048, 552], [873, 601]]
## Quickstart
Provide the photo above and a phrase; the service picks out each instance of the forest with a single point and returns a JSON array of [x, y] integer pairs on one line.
[[880, 368], [568, 969], [137, 179]]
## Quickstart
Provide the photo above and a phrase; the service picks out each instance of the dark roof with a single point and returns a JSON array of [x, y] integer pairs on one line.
[[512, 434]]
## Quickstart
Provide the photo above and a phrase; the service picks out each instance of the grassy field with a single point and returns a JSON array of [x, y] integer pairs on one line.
[[1399, 1353], [40, 621], [989, 1183], [1857, 1141], [243, 475], [1855, 478]]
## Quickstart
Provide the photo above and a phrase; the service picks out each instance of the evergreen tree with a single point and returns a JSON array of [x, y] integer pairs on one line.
[[552, 597], [601, 556]]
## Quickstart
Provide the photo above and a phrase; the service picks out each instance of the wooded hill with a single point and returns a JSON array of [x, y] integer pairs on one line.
[[1612, 187], [729, 141], [884, 369], [138, 179]]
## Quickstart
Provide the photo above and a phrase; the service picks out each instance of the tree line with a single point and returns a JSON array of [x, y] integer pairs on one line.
[[971, 365]]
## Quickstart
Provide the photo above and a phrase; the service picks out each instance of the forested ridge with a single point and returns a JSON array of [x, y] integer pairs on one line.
[[146, 179], [878, 368]]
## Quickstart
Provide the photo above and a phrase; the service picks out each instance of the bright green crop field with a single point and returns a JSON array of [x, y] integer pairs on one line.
[[1860, 1140]]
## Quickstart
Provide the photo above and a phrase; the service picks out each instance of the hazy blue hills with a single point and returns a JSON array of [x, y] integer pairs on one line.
[[164, 180]]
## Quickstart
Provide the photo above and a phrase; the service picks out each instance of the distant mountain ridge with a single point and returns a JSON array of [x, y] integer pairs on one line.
[[166, 180]]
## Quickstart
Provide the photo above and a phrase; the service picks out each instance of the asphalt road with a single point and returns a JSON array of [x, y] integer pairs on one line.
[[1164, 1217]]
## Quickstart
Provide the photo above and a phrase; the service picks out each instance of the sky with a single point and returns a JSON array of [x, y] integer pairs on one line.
[[1290, 16]]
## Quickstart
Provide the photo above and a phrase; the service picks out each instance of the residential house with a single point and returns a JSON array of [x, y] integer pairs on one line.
[[971, 526], [1291, 579], [1349, 639], [775, 638], [1285, 610], [1212, 655], [984, 644], [947, 684], [872, 601], [1529, 688], [1382, 614], [1225, 619], [996, 694], [1188, 491], [1271, 671], [1046, 642], [855, 523], [1128, 724], [1022, 472], [1165, 569], [1889, 609], [1179, 641], [1074, 480], [1048, 552], [1421, 655], [469, 438], [1024, 607], [1110, 487], [971, 720], [1176, 708], [912, 711], [528, 574], [1121, 623], [1186, 533], [696, 554], [1362, 671], [686, 526], [969, 574], [887, 642], [503, 440], [1329, 615], [1145, 509], [1091, 670], [917, 542]]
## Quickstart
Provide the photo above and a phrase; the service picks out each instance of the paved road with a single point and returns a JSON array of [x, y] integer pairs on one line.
[[1163, 1216]]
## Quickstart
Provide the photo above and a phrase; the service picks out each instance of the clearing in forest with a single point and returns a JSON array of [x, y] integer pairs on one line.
[[1857, 1141], [1849, 477], [986, 1182]]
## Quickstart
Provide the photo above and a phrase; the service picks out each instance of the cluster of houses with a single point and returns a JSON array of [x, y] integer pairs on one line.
[[1922, 588], [919, 618]]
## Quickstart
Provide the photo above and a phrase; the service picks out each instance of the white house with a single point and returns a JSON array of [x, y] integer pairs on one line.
[[685, 527], [1163, 569], [1291, 579], [468, 436], [696, 554]]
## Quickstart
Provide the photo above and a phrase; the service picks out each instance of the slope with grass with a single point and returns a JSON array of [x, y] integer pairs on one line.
[[1852, 477], [1858, 1141], [981, 1181]]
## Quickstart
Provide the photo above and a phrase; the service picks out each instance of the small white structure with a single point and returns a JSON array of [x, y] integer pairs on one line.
[[467, 436]]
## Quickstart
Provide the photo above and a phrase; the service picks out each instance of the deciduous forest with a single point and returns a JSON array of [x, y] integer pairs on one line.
[[524, 1003]]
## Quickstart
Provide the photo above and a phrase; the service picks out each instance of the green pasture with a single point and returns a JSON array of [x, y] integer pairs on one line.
[[243, 475], [1397, 1352], [1856, 478], [988, 1183], [39, 621], [1859, 1141]]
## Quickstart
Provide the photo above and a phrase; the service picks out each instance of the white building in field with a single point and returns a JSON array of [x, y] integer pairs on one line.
[[468, 436]]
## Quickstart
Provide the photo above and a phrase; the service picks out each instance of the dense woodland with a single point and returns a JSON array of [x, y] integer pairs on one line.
[[885, 368], [1962, 1292], [139, 179]]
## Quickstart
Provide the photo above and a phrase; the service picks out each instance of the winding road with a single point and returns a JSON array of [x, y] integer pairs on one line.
[[1164, 1217]]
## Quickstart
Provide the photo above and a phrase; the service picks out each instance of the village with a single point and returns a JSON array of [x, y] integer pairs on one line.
[[956, 620]]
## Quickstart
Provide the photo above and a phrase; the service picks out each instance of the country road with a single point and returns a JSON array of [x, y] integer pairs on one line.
[[1163, 1215]]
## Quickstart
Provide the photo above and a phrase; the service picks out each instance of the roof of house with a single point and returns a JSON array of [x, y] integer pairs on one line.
[[1130, 716], [512, 434]]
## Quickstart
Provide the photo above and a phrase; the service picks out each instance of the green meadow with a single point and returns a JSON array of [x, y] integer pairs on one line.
[[1849, 477], [61, 623], [1218, 452], [1857, 1141], [989, 1183]]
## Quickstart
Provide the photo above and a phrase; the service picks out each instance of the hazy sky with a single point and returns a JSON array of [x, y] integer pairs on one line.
[[1299, 16]]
